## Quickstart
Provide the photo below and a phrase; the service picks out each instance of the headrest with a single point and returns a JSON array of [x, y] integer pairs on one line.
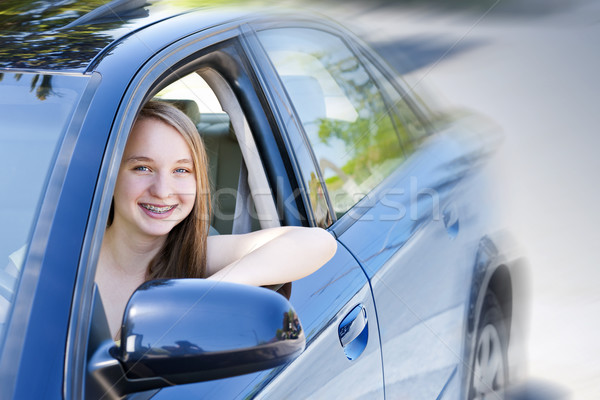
[[216, 125], [189, 107]]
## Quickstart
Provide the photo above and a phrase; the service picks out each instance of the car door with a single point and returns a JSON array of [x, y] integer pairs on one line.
[[391, 191], [423, 256]]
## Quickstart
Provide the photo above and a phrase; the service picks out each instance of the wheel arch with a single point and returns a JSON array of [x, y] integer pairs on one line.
[[491, 271], [494, 263]]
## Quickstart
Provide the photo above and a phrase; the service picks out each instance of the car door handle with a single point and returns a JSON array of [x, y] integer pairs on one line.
[[450, 218], [354, 332]]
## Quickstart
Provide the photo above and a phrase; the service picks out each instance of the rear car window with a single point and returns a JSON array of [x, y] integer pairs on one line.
[[34, 112], [345, 118]]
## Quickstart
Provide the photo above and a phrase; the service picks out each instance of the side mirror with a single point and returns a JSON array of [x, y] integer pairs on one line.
[[190, 330]]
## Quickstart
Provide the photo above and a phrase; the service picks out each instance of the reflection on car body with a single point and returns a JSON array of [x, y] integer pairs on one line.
[[303, 125]]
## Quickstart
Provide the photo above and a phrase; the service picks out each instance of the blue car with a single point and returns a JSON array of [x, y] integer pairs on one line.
[[304, 125]]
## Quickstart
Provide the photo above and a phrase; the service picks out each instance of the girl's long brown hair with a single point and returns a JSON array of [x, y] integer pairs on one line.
[[183, 255]]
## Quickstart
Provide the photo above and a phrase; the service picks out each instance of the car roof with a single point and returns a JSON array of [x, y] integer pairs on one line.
[[69, 37]]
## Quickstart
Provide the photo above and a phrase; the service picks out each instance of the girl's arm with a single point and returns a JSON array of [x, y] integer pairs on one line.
[[269, 256]]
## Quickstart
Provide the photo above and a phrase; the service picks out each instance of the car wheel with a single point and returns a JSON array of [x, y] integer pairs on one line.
[[489, 373]]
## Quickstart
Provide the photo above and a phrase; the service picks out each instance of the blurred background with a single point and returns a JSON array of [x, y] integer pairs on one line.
[[531, 66]]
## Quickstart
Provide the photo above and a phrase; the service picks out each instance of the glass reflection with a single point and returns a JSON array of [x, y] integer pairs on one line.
[[341, 109], [34, 112], [291, 327], [33, 34]]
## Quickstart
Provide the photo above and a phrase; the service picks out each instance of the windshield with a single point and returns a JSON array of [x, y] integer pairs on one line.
[[34, 112]]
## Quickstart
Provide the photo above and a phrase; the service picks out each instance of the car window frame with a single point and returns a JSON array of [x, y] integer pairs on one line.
[[156, 72], [182, 56]]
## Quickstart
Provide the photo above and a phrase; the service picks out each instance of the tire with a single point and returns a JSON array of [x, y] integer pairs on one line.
[[489, 371]]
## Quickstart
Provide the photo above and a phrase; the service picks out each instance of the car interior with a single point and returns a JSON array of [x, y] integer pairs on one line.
[[241, 196], [225, 161]]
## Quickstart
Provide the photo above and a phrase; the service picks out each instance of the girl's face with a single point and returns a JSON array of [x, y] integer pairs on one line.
[[156, 185]]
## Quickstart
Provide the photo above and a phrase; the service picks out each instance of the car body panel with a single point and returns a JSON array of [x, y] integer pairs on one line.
[[419, 284]]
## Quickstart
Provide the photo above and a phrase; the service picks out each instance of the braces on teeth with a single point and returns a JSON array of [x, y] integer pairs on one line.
[[158, 210]]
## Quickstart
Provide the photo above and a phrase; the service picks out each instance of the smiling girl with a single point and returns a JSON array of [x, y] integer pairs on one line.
[[159, 221]]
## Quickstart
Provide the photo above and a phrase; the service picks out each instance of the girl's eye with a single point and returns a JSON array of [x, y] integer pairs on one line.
[[182, 171], [141, 168]]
